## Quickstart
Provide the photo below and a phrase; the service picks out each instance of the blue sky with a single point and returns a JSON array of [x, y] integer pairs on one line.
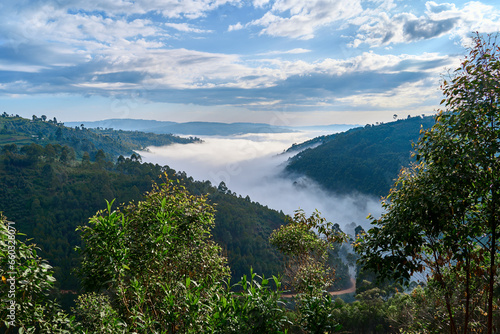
[[284, 62]]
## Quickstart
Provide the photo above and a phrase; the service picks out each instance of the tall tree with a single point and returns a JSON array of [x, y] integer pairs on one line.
[[306, 243], [443, 214]]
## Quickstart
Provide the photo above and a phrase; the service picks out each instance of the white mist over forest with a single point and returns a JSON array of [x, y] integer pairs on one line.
[[252, 165]]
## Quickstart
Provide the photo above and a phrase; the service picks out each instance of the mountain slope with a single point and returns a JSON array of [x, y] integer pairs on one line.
[[21, 131], [48, 193], [365, 160]]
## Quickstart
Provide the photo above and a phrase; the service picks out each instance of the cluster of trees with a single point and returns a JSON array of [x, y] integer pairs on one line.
[[443, 214], [22, 131], [141, 140]]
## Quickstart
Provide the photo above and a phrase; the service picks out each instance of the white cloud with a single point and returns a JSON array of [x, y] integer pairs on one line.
[[404, 97], [292, 51], [184, 27], [386, 28], [301, 18], [260, 3], [234, 27], [168, 8]]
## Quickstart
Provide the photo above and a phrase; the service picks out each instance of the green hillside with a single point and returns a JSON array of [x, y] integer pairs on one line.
[[43, 131], [365, 160], [48, 193]]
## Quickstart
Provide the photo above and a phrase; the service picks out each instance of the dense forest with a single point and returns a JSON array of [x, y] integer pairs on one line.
[[48, 194], [365, 160]]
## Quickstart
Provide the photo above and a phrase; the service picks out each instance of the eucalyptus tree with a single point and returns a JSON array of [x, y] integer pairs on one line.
[[442, 215]]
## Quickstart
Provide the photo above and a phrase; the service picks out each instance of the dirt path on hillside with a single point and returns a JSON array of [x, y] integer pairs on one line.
[[351, 289]]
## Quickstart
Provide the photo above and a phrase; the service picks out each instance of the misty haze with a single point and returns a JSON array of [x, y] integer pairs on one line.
[[253, 164]]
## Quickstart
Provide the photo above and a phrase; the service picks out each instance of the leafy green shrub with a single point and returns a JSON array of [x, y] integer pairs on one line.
[[27, 279], [97, 315], [250, 306], [155, 260]]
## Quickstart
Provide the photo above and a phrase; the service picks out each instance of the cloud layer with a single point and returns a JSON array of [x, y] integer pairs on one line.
[[250, 165]]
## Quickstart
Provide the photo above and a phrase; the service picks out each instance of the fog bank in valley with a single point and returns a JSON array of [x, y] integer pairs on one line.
[[252, 165]]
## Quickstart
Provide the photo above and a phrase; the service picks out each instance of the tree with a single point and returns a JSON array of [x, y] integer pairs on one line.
[[135, 157], [100, 158], [222, 187], [156, 260], [85, 158], [25, 303], [59, 134], [443, 213], [306, 242]]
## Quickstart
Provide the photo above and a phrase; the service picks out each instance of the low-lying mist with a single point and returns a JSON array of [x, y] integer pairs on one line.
[[253, 165]]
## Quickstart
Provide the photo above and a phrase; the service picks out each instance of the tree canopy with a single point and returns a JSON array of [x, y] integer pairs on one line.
[[442, 215]]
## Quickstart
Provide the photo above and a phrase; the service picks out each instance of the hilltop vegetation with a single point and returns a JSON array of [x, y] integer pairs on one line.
[[365, 160], [43, 131]]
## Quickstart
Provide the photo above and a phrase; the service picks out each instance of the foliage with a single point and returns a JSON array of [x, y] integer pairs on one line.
[[306, 242], [315, 314], [250, 306], [156, 260], [364, 160], [20, 131], [424, 310], [443, 214], [48, 200], [25, 304], [97, 315], [368, 314]]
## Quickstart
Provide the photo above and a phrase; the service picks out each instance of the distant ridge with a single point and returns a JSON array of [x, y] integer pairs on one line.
[[189, 128], [42, 131]]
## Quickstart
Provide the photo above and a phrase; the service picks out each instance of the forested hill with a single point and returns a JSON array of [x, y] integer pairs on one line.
[[365, 159], [48, 193], [43, 131]]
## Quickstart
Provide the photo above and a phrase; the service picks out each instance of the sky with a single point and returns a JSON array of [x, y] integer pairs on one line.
[[283, 62]]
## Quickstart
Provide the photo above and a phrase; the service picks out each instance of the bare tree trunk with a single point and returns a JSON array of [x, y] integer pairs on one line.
[[467, 292], [447, 299]]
